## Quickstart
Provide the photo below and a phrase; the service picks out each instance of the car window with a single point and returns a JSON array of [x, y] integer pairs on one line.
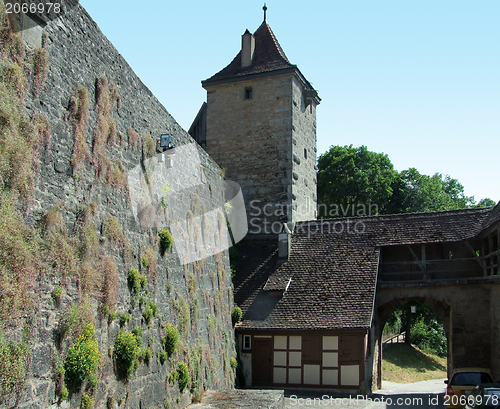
[[470, 378]]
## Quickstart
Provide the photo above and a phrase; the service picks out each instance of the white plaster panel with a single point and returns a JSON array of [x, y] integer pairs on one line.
[[246, 362], [330, 376], [311, 374], [295, 342], [295, 375], [280, 358], [330, 342], [349, 375], [280, 342], [330, 359], [295, 358], [279, 375]]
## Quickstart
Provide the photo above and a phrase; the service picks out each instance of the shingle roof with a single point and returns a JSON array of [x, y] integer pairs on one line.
[[332, 271], [493, 217], [268, 57]]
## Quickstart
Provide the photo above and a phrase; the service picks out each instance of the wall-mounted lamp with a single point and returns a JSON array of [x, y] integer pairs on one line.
[[165, 142], [413, 309], [165, 145]]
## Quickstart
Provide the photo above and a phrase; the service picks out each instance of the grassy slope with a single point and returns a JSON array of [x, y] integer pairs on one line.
[[405, 364]]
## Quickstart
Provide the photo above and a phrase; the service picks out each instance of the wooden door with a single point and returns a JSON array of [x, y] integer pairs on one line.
[[349, 349], [262, 365]]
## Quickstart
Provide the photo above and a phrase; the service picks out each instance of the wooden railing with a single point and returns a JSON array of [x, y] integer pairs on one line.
[[396, 339]]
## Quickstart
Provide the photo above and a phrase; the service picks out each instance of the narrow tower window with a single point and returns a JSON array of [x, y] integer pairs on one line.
[[305, 153], [248, 92]]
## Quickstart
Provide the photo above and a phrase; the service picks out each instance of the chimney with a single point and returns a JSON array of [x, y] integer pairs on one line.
[[247, 48], [285, 242]]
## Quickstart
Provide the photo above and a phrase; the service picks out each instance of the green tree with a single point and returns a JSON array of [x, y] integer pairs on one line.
[[485, 203], [358, 182], [349, 176], [415, 192]]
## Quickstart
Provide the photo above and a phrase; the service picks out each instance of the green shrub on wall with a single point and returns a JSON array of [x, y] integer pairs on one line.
[[183, 375], [87, 402], [149, 312], [126, 352], [170, 340], [124, 318], [83, 359], [166, 240], [136, 280]]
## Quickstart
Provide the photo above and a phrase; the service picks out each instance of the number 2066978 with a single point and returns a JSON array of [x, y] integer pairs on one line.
[[474, 401], [33, 8]]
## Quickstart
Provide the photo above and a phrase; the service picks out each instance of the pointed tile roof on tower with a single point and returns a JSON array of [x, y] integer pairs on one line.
[[269, 57]]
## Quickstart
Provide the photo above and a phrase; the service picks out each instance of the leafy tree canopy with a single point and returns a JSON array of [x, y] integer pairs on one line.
[[358, 182], [353, 176]]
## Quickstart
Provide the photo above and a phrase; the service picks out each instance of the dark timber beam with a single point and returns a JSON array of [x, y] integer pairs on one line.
[[422, 264], [478, 259]]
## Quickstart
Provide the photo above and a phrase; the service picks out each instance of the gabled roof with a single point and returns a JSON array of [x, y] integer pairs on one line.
[[269, 57], [330, 278]]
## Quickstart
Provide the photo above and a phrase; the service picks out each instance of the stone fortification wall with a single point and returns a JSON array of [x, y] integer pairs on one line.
[[94, 208]]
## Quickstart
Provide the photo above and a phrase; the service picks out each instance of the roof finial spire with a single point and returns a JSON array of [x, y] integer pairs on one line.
[[265, 10]]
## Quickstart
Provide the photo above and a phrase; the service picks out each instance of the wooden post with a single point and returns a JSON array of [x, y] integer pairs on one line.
[[424, 263]]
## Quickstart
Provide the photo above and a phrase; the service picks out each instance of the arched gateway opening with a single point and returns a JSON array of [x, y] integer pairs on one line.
[[385, 311]]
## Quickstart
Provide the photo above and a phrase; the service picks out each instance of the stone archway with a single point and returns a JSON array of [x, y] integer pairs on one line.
[[384, 311], [464, 309]]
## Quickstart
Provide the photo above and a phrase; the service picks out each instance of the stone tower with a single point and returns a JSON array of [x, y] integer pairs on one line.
[[261, 129]]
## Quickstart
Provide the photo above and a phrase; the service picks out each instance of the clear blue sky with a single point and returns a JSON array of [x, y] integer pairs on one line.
[[417, 80]]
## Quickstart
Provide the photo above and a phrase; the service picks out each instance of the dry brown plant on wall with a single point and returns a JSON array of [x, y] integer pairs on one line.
[[113, 232], [133, 138], [111, 282], [79, 117], [40, 69]]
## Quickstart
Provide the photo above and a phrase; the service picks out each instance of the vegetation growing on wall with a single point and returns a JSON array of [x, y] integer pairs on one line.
[[75, 319], [83, 359], [150, 263], [14, 364], [111, 282], [65, 261], [127, 353], [183, 375], [79, 117], [136, 281], [148, 146], [133, 138], [170, 340], [40, 69], [112, 172], [166, 240], [114, 232]]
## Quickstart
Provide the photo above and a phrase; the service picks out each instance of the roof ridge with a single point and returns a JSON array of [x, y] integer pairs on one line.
[[407, 215]]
